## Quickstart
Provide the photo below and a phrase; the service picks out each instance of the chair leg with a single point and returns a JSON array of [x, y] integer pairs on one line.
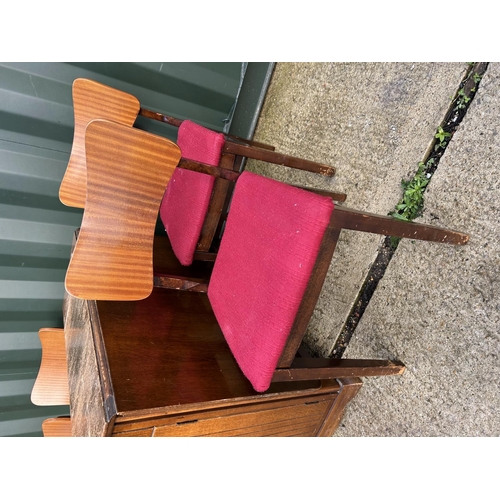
[[346, 218], [176, 122], [250, 142], [325, 368], [278, 158]]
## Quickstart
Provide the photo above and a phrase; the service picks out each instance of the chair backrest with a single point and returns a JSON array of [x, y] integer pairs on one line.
[[185, 204], [57, 427], [92, 100], [127, 173], [51, 385]]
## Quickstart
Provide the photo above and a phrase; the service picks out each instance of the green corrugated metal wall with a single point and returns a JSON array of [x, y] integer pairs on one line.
[[36, 132]]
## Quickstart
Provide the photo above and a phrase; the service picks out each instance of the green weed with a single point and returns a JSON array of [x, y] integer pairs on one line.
[[442, 137], [413, 195]]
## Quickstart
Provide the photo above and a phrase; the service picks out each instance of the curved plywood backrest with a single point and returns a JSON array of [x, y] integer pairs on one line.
[[92, 100], [127, 173], [57, 427], [51, 385]]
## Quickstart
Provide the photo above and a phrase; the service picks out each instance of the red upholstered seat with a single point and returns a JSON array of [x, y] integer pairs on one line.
[[185, 203], [267, 253]]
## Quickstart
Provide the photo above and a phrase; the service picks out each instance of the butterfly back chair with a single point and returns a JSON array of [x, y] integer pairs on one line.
[[51, 385], [193, 204]]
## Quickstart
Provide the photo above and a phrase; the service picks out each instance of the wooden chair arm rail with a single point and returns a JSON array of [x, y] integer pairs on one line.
[[278, 159], [325, 368], [176, 122], [180, 283]]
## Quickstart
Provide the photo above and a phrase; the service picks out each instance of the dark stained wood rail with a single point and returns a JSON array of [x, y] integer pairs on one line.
[[347, 218], [323, 368], [176, 122], [279, 158]]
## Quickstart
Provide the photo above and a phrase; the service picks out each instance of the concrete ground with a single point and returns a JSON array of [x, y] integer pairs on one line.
[[437, 308]]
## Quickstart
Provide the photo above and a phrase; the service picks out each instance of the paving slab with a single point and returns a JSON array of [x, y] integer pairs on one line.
[[437, 308], [374, 122]]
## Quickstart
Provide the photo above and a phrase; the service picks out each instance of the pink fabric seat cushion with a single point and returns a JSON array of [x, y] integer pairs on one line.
[[185, 203], [267, 253]]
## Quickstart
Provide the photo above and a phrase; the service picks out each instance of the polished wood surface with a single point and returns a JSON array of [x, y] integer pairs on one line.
[[127, 173], [57, 427], [51, 385], [160, 367], [169, 350], [92, 100]]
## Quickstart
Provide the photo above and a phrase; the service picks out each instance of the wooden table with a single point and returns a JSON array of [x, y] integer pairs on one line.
[[161, 367]]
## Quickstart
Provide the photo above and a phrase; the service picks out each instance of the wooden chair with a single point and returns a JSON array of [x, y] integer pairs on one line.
[[51, 385], [57, 427], [273, 258], [127, 174], [192, 224], [268, 274]]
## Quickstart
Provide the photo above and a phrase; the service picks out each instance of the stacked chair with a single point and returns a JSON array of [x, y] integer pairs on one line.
[[262, 274]]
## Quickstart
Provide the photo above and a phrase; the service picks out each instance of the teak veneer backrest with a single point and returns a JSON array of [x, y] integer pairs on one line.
[[57, 427], [51, 385], [128, 171]]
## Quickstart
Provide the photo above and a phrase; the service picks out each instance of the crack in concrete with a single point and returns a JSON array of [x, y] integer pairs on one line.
[[454, 116]]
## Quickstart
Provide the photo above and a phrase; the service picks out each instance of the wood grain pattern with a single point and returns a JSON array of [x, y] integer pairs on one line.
[[87, 398], [349, 387], [92, 100], [314, 412], [51, 385], [296, 420], [169, 372], [127, 173], [176, 122], [57, 427]]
